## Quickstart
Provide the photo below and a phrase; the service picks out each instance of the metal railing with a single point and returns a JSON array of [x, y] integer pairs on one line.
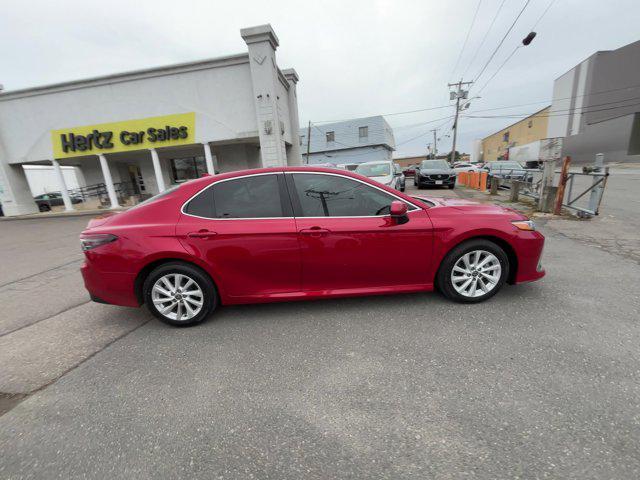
[[531, 185], [596, 191]]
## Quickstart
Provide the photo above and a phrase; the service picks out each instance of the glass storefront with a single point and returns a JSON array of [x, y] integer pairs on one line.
[[187, 168]]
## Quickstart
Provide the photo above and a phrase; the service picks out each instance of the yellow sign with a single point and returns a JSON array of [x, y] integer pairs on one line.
[[152, 132]]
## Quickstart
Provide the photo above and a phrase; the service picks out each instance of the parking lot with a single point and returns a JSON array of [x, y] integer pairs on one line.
[[541, 381]]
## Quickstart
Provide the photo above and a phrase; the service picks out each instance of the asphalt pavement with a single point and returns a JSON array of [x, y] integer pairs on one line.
[[541, 381]]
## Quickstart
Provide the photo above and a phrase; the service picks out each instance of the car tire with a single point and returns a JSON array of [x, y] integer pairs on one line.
[[44, 207], [451, 187], [493, 275], [174, 279]]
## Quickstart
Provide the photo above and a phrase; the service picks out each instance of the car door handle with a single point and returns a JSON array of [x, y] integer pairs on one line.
[[315, 231], [201, 234]]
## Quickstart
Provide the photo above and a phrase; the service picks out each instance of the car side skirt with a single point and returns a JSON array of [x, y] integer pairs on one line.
[[318, 294]]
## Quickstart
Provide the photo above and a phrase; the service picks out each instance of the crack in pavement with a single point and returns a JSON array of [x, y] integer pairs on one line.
[[40, 273]]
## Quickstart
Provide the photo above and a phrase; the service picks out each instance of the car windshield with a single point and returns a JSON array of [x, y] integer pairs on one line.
[[374, 169], [434, 164], [507, 166]]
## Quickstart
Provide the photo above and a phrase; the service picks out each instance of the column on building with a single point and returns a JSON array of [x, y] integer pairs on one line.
[[157, 170], [62, 185], [108, 181], [210, 159], [262, 44], [294, 156]]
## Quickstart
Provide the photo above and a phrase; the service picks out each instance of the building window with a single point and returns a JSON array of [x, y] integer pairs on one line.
[[331, 136], [188, 168], [302, 139], [363, 132], [505, 137], [530, 124]]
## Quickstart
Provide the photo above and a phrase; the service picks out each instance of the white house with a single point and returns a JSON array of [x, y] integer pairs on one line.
[[350, 141]]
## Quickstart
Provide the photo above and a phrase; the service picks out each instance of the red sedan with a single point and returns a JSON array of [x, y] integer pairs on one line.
[[299, 233]]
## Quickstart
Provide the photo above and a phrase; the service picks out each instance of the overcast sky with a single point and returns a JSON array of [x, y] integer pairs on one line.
[[354, 58]]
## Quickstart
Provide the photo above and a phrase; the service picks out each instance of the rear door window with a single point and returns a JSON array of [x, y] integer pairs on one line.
[[255, 196]]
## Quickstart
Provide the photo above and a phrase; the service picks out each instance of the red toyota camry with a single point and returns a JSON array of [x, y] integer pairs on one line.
[[299, 233]]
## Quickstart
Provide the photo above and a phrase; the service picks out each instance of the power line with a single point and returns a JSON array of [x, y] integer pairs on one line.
[[543, 14], [485, 110], [519, 46], [561, 98], [555, 114], [466, 39], [355, 117], [475, 54], [501, 42], [499, 68]]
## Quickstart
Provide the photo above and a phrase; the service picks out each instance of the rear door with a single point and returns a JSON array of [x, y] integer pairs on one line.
[[243, 228], [348, 240]]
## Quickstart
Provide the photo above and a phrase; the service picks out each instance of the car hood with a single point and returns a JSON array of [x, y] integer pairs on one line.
[[473, 207], [385, 179], [438, 171]]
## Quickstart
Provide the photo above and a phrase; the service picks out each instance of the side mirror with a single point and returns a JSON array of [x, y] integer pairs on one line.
[[398, 209]]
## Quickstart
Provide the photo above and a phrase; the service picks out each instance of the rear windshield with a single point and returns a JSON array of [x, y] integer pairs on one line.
[[374, 170]]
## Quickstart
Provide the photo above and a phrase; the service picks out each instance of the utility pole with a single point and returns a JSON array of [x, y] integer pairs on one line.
[[457, 94], [435, 143], [308, 141]]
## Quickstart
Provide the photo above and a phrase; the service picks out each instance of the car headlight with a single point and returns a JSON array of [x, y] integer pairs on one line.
[[524, 225]]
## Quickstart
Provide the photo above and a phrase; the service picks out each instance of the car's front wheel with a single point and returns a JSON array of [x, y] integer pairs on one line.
[[473, 271], [180, 294]]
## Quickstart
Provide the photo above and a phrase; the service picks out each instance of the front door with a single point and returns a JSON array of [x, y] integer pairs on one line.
[[136, 180], [348, 240], [244, 230]]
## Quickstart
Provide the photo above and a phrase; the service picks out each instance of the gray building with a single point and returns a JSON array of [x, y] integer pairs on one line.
[[351, 141], [138, 133], [596, 107]]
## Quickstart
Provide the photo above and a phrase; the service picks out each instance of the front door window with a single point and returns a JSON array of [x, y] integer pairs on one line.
[[337, 196]]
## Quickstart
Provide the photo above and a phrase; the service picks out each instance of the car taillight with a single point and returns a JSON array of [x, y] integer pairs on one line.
[[91, 241]]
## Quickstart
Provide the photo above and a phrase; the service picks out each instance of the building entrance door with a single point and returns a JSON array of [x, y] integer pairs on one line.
[[136, 180]]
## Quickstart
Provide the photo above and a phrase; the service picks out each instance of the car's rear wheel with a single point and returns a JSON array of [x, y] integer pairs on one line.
[[473, 271], [43, 207], [180, 294]]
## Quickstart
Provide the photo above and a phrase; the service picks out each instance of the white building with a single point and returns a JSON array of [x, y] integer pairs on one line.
[[44, 179], [596, 109], [350, 141], [152, 128]]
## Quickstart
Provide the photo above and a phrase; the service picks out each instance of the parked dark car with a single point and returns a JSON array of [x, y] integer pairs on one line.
[[48, 200], [434, 173], [505, 169]]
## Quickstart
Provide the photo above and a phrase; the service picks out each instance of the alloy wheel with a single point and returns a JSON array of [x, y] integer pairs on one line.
[[177, 297], [476, 273]]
